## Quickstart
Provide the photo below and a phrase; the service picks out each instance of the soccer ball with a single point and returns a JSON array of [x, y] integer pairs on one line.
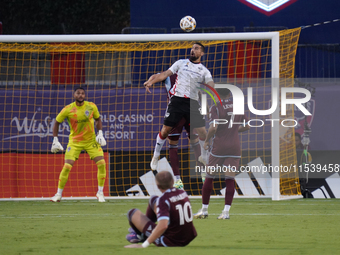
[[188, 24]]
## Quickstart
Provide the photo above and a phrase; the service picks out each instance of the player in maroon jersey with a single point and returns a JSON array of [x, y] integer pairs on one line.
[[225, 151], [172, 211]]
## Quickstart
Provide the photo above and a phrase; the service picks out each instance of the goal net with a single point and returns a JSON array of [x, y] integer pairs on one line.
[[37, 78]]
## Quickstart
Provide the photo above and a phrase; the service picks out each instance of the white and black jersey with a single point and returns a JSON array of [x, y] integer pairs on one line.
[[190, 76]]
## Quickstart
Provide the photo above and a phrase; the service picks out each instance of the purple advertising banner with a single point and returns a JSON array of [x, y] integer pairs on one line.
[[131, 118]]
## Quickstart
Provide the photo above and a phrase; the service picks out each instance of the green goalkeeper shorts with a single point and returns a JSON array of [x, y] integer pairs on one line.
[[92, 148]]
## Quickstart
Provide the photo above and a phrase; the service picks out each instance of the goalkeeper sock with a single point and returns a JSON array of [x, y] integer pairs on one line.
[[159, 144], [101, 172], [60, 192], [63, 177]]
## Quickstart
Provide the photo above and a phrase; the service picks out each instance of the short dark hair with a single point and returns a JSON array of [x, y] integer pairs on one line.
[[79, 88], [164, 180], [200, 44], [223, 92]]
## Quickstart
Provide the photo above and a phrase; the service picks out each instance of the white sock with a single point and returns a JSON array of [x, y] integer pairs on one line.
[[60, 191], [205, 207], [177, 177], [226, 208], [158, 146], [100, 189], [203, 151]]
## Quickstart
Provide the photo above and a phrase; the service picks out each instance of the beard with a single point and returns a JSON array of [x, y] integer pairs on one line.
[[193, 58], [80, 101]]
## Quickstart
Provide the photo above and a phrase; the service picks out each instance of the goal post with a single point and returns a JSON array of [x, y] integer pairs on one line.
[[39, 72]]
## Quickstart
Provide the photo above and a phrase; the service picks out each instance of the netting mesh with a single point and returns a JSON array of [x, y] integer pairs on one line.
[[37, 81]]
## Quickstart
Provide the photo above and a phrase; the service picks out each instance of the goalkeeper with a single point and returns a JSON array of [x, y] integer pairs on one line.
[[80, 116]]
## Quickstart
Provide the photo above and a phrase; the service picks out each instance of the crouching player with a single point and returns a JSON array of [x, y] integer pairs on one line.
[[172, 211]]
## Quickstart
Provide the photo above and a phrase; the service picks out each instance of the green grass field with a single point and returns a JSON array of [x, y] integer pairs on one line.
[[256, 226]]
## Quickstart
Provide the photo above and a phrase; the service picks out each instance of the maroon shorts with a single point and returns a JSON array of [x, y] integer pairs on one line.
[[176, 131], [162, 241], [224, 163]]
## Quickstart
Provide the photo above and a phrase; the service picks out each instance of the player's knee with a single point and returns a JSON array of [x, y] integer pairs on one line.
[[153, 200], [67, 168], [131, 212]]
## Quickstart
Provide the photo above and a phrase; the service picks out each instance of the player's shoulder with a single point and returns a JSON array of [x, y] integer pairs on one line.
[[90, 104]]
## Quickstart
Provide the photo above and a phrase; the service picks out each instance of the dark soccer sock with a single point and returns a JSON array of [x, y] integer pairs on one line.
[[174, 161], [150, 213], [206, 189], [229, 190], [129, 215], [197, 150]]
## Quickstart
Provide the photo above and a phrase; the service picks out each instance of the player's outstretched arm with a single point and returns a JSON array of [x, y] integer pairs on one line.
[[156, 78], [100, 138], [56, 146]]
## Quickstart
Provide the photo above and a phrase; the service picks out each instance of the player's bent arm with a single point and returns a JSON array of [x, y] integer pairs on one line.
[[56, 128], [99, 124], [243, 129], [157, 78], [211, 83], [161, 227]]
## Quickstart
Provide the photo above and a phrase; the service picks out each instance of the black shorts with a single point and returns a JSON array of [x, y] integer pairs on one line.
[[180, 107]]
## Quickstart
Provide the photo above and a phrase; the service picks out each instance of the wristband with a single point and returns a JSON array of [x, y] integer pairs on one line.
[[55, 139], [100, 132], [145, 244]]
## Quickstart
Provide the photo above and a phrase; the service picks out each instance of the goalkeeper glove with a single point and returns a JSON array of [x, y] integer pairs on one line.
[[56, 146], [100, 138]]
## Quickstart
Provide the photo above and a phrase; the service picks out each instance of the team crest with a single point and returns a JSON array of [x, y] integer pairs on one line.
[[68, 149], [87, 113], [268, 7]]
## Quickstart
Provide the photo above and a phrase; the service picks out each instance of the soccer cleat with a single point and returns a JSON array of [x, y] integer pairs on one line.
[[100, 196], [133, 237], [178, 184], [154, 163], [201, 214], [224, 215], [56, 198]]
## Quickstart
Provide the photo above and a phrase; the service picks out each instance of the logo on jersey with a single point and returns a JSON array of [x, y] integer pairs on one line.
[[87, 113], [167, 115], [68, 149], [268, 7]]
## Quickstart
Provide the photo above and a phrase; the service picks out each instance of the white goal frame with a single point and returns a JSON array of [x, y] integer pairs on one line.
[[275, 68]]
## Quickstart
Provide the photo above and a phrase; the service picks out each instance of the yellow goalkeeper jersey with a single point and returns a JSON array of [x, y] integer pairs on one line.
[[81, 121]]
